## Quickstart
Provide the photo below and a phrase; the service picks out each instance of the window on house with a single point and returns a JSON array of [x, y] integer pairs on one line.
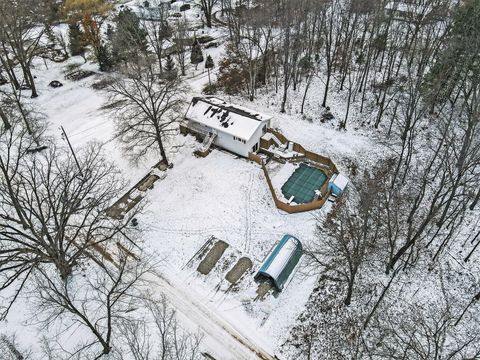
[[238, 139]]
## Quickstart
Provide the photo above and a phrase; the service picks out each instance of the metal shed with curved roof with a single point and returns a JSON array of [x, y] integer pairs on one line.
[[282, 260]]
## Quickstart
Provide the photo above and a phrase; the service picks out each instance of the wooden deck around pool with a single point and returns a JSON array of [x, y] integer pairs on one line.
[[296, 153]]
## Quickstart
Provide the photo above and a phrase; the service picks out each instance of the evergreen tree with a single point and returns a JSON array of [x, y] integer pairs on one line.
[[209, 64], [110, 32], [129, 39], [196, 57], [104, 58], [170, 72], [76, 40]]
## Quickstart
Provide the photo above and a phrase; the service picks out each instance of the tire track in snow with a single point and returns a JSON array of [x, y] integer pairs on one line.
[[248, 214], [193, 231]]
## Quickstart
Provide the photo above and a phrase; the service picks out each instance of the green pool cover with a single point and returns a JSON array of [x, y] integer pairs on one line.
[[303, 183]]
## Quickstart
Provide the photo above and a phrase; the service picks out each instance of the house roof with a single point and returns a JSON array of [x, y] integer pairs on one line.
[[225, 117], [281, 262]]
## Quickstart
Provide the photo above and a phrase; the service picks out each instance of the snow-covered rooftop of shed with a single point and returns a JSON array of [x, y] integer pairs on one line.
[[226, 117], [340, 181], [281, 257]]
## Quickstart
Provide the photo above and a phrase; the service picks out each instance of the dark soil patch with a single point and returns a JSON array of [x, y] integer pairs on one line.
[[204, 39], [211, 259], [147, 183], [79, 75], [264, 288], [243, 265], [102, 83], [122, 206]]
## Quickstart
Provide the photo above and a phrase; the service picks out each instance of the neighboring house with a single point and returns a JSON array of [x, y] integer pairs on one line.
[[177, 5], [150, 12], [280, 264], [411, 11], [231, 127]]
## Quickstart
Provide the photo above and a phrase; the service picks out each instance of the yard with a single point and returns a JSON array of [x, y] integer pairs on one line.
[[225, 197]]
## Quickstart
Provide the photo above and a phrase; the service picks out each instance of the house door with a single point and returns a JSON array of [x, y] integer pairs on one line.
[[255, 147]]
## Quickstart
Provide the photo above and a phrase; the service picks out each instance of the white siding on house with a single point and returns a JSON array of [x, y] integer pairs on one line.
[[228, 142]]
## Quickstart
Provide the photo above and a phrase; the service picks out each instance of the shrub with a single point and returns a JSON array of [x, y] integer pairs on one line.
[[210, 89]]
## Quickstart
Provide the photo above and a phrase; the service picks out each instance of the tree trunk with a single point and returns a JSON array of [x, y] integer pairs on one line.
[[6, 123], [64, 268], [367, 320], [208, 18], [324, 102], [343, 125], [305, 93], [286, 69], [10, 73], [31, 82], [348, 298], [160, 146], [475, 201]]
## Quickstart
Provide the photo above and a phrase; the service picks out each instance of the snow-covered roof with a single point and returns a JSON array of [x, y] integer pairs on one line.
[[405, 7], [281, 262], [340, 181], [225, 117], [148, 13]]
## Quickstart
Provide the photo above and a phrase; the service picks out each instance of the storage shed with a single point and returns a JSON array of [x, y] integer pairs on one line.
[[337, 184], [231, 127], [281, 262]]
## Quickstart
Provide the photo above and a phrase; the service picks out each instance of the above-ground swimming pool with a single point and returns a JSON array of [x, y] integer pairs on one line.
[[303, 183]]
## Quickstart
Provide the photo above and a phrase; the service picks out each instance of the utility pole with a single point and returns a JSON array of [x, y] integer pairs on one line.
[[71, 149]]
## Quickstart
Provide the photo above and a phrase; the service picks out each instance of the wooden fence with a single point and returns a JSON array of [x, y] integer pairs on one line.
[[316, 204], [324, 161]]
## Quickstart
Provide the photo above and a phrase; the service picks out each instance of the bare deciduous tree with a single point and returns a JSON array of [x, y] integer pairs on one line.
[[180, 35], [20, 35], [158, 32], [147, 109], [49, 213], [347, 237], [423, 329], [157, 335], [207, 8], [98, 300]]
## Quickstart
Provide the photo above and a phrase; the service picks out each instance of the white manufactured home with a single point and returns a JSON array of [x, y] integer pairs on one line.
[[231, 127]]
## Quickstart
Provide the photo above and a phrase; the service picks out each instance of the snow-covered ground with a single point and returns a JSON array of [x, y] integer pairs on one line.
[[220, 195], [225, 197]]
